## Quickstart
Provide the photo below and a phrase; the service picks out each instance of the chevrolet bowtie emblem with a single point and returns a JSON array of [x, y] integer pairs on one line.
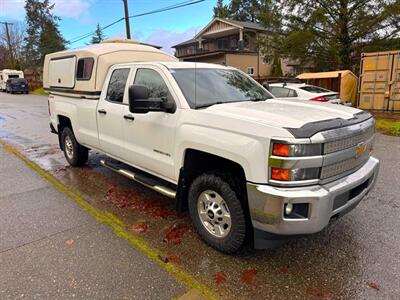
[[360, 150]]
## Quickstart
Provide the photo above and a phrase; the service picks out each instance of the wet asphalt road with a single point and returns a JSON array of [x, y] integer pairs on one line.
[[356, 257]]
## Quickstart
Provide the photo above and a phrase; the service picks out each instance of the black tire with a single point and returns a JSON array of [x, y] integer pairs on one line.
[[79, 154], [235, 238]]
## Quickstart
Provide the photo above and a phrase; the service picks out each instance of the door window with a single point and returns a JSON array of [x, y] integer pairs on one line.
[[153, 81], [116, 87]]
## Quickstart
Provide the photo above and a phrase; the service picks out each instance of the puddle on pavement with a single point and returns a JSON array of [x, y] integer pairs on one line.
[[301, 268]]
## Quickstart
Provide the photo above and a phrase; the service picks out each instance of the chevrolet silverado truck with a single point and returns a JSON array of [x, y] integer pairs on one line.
[[247, 167]]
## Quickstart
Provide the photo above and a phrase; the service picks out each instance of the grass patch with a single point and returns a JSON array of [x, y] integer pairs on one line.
[[389, 127], [39, 91]]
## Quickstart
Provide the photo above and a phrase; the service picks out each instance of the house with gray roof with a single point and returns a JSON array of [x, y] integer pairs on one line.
[[229, 42]]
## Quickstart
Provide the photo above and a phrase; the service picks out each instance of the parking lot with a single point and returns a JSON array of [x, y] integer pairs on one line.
[[355, 257]]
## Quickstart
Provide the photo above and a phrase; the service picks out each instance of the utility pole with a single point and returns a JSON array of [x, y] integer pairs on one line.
[[9, 42], [128, 29]]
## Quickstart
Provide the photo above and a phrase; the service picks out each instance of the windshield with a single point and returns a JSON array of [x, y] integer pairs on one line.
[[205, 87]]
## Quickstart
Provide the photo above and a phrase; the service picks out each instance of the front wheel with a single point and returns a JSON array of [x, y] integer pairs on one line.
[[217, 213], [75, 153]]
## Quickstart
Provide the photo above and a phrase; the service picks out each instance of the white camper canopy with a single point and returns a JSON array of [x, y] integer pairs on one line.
[[82, 71], [7, 74]]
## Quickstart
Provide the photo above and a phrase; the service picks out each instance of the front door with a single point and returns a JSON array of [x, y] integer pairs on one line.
[[150, 137], [110, 111]]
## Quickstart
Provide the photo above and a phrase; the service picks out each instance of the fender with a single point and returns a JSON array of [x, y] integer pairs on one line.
[[236, 147]]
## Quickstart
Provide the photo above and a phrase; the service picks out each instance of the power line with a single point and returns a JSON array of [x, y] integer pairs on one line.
[[174, 6], [81, 37], [170, 7]]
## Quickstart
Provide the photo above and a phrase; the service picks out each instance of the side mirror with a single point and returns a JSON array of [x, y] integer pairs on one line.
[[139, 101]]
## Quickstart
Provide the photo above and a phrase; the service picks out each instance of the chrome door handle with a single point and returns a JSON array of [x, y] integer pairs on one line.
[[102, 111], [129, 117]]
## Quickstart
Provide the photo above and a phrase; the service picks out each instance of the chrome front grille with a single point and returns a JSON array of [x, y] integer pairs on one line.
[[350, 141], [346, 150], [342, 167]]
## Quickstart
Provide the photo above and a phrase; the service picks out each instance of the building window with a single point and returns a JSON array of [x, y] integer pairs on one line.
[[250, 70], [85, 67]]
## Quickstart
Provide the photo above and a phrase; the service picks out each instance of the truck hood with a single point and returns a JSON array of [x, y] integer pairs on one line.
[[283, 112]]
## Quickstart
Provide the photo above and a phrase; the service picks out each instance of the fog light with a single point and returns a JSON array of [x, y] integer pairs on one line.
[[288, 208]]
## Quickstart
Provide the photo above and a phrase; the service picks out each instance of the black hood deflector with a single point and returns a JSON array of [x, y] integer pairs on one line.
[[309, 129]]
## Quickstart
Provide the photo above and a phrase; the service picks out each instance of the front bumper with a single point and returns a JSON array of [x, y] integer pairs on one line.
[[266, 203]]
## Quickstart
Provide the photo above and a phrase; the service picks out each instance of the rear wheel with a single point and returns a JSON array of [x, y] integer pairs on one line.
[[75, 153], [217, 213]]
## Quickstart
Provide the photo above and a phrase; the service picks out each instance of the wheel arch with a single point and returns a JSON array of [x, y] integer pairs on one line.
[[63, 121], [197, 162]]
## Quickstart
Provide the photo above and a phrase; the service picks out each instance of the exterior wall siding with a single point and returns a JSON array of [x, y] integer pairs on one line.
[[218, 26]]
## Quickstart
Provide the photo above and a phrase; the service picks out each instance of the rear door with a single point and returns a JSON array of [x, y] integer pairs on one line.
[[110, 112]]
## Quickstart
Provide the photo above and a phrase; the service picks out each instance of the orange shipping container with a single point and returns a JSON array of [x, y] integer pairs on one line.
[[379, 87]]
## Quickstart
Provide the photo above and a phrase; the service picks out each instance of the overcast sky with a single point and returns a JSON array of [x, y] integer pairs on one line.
[[81, 16]]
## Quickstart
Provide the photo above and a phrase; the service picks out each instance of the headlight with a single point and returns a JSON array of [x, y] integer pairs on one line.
[[290, 150], [294, 174]]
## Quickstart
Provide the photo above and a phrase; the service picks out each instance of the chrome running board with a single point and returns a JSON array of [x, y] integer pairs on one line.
[[142, 179]]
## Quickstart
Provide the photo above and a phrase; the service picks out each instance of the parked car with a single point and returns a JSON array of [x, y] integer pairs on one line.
[[213, 139], [303, 91], [17, 85]]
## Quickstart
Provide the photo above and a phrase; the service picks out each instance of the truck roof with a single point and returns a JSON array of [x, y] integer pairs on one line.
[[182, 65]]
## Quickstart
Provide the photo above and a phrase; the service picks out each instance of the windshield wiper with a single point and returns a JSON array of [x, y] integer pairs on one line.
[[257, 99], [208, 104], [214, 103]]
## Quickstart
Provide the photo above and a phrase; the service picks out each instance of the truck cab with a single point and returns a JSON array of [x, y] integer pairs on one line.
[[242, 162]]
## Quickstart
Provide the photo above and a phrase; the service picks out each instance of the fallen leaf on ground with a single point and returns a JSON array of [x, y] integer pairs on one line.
[[247, 276], [284, 270], [219, 278], [69, 242], [374, 285], [175, 233], [139, 227], [319, 294]]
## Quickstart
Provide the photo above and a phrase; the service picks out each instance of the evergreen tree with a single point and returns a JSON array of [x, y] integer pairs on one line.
[[221, 10], [43, 36], [98, 35], [331, 33], [50, 39], [245, 10], [277, 66]]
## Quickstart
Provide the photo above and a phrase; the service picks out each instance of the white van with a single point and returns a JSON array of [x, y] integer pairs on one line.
[[7, 74]]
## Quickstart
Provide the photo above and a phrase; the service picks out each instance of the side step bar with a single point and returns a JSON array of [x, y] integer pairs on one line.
[[142, 179]]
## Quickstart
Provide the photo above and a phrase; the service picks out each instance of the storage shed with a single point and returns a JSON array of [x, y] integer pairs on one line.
[[380, 81], [344, 82], [82, 71]]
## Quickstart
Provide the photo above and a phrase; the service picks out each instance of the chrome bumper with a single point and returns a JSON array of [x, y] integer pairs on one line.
[[266, 203]]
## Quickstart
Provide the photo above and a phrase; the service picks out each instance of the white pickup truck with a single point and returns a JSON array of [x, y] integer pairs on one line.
[[247, 166]]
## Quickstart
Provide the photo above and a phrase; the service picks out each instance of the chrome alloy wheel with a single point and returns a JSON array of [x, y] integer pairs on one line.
[[214, 213], [69, 147]]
